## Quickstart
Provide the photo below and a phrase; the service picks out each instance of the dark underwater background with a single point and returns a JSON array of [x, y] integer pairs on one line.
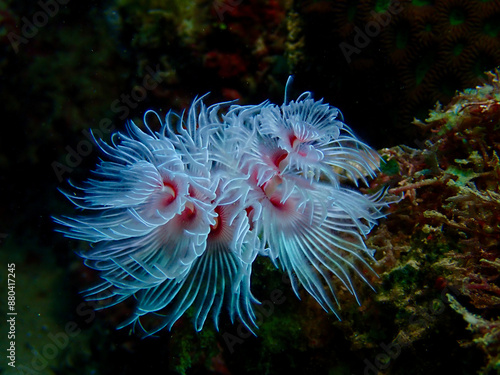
[[68, 66]]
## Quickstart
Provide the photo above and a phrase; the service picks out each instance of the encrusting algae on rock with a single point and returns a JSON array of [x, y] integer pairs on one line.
[[441, 242]]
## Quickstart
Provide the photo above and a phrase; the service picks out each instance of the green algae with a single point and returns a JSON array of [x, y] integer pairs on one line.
[[389, 167]]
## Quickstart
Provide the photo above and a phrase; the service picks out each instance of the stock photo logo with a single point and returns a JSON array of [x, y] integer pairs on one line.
[[176, 217]]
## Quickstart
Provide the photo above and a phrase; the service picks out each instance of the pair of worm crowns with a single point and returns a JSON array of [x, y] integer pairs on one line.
[[177, 216]]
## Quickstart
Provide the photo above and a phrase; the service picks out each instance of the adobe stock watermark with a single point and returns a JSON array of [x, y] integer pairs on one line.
[[57, 342], [389, 352], [223, 6], [30, 26], [121, 107], [371, 30]]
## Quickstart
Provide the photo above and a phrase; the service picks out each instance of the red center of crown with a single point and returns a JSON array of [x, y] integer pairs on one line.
[[216, 228], [279, 157], [189, 212], [169, 193], [276, 202], [294, 141]]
